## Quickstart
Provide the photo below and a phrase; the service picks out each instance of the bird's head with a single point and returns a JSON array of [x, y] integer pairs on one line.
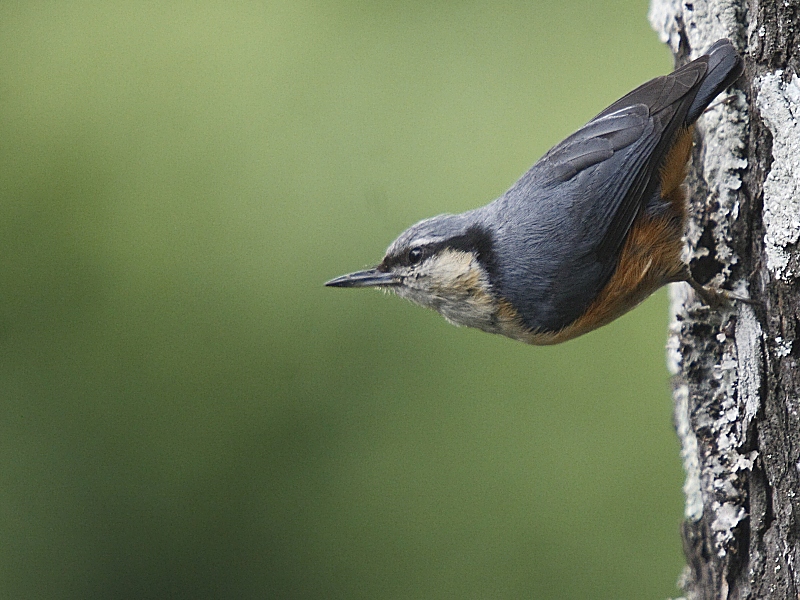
[[446, 263]]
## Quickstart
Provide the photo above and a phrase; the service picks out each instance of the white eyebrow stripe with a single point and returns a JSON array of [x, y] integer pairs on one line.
[[420, 242], [428, 241]]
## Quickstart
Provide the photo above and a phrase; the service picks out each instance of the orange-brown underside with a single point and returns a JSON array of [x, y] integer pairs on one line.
[[650, 258]]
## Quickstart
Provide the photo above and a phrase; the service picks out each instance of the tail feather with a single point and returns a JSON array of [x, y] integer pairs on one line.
[[724, 67]]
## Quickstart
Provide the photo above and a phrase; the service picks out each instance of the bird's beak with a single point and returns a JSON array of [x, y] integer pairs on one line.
[[368, 278]]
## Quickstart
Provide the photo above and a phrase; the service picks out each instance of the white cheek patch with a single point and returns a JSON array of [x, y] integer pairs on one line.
[[449, 272], [452, 267], [454, 284]]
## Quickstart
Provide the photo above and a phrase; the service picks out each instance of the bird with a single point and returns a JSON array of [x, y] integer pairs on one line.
[[587, 233]]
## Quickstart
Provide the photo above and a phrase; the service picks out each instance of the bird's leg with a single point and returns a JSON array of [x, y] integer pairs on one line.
[[713, 297], [726, 100]]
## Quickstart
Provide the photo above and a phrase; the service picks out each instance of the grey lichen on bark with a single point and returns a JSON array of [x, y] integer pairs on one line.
[[737, 382]]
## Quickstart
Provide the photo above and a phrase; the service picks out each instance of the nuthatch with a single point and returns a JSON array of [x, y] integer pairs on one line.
[[591, 230]]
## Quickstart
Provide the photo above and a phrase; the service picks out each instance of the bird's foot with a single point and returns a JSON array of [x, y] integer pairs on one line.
[[716, 298]]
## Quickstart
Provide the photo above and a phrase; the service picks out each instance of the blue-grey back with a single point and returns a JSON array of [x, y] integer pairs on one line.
[[563, 224]]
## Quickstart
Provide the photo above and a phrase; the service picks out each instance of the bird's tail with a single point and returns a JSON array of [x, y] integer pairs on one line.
[[724, 67]]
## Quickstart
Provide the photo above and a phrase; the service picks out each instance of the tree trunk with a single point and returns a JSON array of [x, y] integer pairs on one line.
[[737, 382]]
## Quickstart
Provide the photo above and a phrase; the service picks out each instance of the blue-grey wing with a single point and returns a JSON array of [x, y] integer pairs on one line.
[[571, 213], [635, 133]]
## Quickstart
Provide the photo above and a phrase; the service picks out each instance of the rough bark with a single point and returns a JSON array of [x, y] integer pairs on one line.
[[737, 382]]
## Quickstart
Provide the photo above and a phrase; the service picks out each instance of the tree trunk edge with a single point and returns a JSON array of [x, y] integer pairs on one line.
[[736, 377]]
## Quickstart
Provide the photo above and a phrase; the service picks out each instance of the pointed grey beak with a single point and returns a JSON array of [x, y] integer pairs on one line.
[[368, 278]]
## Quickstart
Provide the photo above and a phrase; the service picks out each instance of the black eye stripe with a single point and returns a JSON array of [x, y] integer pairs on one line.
[[475, 239], [408, 258], [415, 255]]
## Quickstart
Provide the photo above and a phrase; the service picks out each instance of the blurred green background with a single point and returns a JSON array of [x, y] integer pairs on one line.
[[188, 413]]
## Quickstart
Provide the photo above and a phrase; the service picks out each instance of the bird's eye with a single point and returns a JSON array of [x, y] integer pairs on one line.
[[414, 256]]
